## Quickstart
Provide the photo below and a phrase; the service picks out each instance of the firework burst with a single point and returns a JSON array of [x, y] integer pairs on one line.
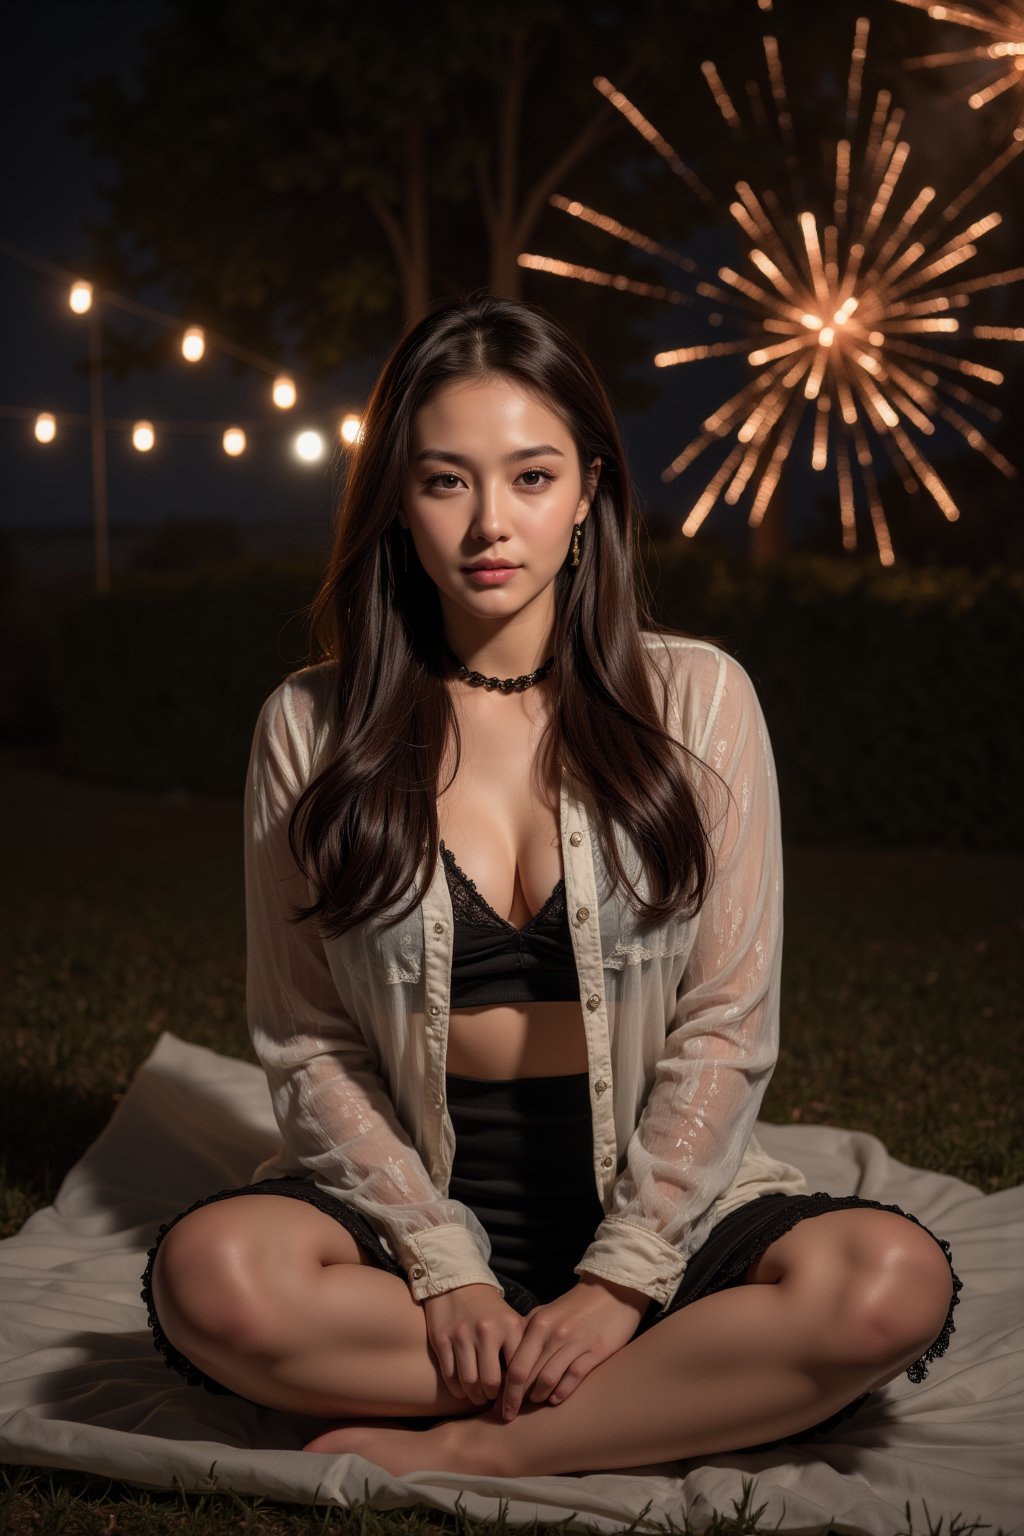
[[995, 63], [853, 319]]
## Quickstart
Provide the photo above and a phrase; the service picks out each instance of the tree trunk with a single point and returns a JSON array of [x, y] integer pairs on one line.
[[410, 234], [506, 273], [416, 271], [511, 220], [505, 278]]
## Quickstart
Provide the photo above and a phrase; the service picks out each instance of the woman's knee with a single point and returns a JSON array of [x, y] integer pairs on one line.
[[203, 1282], [879, 1283], [899, 1289], [231, 1273]]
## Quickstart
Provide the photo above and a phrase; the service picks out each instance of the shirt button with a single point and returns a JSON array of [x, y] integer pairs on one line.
[[434, 1010], [416, 1272], [576, 838], [607, 1162], [600, 1086], [582, 913], [593, 1001], [439, 927]]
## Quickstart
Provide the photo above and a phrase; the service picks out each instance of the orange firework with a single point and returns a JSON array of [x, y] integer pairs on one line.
[[853, 319], [998, 59]]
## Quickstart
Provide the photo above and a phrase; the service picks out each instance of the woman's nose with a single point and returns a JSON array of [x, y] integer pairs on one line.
[[490, 511]]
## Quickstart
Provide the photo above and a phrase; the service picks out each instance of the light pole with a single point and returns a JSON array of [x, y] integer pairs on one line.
[[98, 433], [83, 301]]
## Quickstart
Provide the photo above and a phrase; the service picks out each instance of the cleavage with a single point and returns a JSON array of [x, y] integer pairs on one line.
[[474, 907]]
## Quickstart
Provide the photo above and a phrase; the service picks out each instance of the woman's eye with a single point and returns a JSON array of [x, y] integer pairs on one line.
[[444, 481], [534, 478]]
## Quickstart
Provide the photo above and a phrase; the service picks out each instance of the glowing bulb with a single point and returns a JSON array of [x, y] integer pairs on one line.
[[80, 297], [193, 344], [826, 336], [233, 441], [351, 428], [143, 436], [309, 446], [45, 427], [284, 394]]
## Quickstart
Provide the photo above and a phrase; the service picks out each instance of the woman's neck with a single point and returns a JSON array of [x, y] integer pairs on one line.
[[508, 652]]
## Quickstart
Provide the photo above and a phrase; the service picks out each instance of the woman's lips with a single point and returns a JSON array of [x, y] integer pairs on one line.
[[495, 576]]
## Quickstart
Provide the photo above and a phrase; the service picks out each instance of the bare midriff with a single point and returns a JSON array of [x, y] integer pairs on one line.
[[502, 826]]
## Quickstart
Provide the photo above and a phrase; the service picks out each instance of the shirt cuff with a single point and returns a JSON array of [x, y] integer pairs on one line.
[[440, 1258], [635, 1256]]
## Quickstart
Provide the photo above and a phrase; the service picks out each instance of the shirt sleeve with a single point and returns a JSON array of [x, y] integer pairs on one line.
[[329, 1100], [722, 1043]]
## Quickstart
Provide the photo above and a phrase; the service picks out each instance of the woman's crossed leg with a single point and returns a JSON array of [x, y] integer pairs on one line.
[[284, 1307], [277, 1301]]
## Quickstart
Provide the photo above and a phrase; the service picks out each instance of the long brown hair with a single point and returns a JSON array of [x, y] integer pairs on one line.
[[360, 827]]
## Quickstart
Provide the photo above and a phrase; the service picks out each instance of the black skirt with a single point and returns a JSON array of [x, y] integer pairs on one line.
[[524, 1165]]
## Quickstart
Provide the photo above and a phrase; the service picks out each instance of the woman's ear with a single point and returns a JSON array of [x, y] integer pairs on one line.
[[590, 480]]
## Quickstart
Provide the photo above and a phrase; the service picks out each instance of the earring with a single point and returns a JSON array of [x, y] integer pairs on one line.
[[576, 544]]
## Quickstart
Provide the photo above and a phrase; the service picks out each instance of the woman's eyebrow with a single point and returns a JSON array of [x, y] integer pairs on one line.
[[510, 458]]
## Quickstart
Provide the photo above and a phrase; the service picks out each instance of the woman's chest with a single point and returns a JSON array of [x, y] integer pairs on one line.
[[498, 811]]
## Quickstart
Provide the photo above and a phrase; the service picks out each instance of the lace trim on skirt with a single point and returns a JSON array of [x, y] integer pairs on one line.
[[795, 1210]]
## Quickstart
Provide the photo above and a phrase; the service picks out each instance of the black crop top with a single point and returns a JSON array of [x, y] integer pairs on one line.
[[495, 962]]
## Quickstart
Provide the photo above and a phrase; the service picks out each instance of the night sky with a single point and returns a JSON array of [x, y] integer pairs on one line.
[[50, 190]]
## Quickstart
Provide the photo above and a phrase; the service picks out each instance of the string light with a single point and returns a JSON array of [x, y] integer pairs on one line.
[[193, 344], [309, 445], [837, 317], [284, 393], [82, 298]]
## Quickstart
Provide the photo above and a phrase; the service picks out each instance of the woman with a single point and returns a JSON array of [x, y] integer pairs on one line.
[[514, 914]]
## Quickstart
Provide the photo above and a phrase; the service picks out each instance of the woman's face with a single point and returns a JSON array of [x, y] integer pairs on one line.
[[493, 474]]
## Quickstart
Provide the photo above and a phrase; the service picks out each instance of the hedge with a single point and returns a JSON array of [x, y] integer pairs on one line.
[[888, 692]]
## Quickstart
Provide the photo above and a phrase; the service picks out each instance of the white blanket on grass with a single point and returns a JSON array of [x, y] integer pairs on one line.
[[82, 1387]]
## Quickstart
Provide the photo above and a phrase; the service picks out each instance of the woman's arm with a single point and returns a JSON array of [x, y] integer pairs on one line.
[[330, 1102], [721, 1046]]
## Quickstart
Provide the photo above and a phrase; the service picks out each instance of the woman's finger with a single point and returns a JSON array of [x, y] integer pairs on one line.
[[489, 1366], [576, 1371], [444, 1355], [551, 1372], [467, 1368], [522, 1370]]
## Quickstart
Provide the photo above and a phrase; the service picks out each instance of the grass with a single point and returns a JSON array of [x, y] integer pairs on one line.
[[901, 991]]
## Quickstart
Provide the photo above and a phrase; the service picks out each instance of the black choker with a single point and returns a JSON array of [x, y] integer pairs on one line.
[[503, 684]]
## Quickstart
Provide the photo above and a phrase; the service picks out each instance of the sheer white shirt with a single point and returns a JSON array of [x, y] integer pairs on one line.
[[681, 1017]]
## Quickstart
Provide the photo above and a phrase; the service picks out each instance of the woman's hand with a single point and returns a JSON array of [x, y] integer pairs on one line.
[[564, 1339], [467, 1329]]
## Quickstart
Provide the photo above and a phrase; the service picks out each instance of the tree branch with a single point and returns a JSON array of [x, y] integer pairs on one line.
[[509, 120], [600, 126], [391, 227], [487, 203]]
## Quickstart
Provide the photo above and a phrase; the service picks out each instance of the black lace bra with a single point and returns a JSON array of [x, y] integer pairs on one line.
[[495, 962]]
